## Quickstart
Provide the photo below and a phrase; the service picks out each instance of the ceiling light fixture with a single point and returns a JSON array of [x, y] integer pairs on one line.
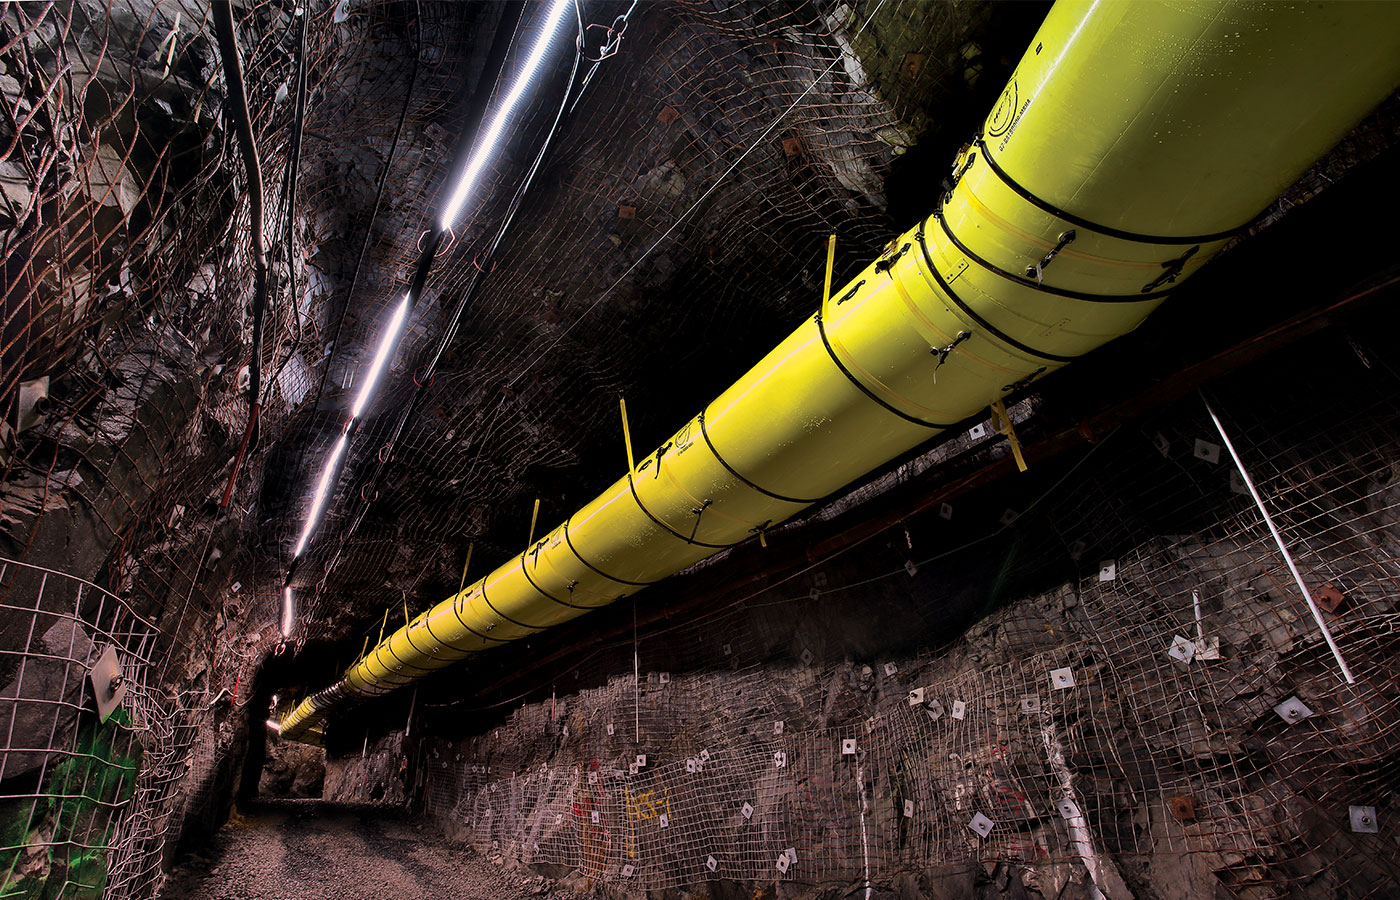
[[387, 343], [322, 488], [288, 614], [487, 145], [484, 148]]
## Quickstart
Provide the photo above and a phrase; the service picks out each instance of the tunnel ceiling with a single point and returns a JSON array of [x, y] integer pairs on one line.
[[675, 231], [601, 284]]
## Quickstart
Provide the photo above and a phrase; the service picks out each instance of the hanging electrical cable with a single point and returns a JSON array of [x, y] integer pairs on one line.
[[290, 182], [227, 34]]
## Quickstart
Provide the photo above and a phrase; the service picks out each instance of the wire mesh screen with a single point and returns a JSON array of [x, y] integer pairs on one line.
[[124, 362], [1172, 718], [704, 166], [89, 803], [676, 228], [134, 457]]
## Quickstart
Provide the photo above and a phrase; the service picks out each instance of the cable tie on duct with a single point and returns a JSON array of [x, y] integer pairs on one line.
[[964, 160], [1038, 270], [698, 511], [660, 453], [968, 310], [1024, 382], [886, 262], [1173, 269], [943, 352]]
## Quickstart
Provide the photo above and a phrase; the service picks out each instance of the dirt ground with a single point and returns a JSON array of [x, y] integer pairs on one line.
[[310, 850]]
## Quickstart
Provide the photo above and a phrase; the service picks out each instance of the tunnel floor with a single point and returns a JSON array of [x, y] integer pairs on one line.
[[312, 850]]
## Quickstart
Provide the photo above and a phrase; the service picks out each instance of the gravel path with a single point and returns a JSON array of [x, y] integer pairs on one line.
[[309, 850]]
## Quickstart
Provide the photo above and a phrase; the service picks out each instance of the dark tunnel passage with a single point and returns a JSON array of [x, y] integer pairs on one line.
[[686, 449]]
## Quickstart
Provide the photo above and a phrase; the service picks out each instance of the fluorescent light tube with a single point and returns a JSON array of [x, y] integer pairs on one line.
[[387, 342], [492, 136], [322, 488]]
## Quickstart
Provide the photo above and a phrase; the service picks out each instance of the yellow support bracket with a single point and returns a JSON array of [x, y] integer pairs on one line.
[[627, 436], [1004, 426], [534, 517], [830, 264], [466, 565]]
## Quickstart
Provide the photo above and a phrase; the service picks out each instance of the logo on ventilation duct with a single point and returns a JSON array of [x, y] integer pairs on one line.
[[1004, 113]]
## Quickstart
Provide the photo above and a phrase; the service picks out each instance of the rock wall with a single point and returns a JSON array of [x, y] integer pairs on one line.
[[379, 773], [1127, 731], [292, 770]]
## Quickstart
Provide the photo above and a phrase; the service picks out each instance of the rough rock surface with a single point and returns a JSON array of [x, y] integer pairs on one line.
[[292, 770], [40, 703], [315, 851]]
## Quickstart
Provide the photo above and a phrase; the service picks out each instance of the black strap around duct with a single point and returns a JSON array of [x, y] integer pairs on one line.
[[1034, 285], [541, 591], [831, 351], [408, 636], [568, 540], [735, 472], [448, 644], [667, 528], [503, 615], [1046, 206], [960, 304], [698, 512], [386, 645]]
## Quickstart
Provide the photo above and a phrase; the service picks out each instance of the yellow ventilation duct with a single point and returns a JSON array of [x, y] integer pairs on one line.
[[1131, 143]]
